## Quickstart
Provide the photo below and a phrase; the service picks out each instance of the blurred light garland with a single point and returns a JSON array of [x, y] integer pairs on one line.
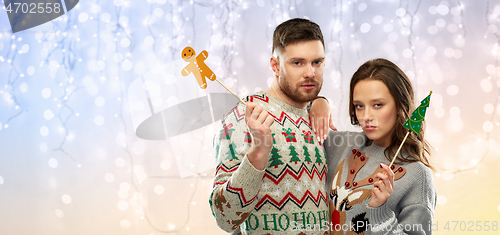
[[490, 25], [337, 62], [65, 45], [9, 91], [461, 25], [409, 25]]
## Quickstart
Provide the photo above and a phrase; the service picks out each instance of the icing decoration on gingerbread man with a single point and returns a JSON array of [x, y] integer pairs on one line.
[[197, 66]]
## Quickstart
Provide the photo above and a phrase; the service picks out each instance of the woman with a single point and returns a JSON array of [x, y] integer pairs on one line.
[[366, 196]]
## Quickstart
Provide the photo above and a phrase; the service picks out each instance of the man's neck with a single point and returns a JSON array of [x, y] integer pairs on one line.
[[276, 92]]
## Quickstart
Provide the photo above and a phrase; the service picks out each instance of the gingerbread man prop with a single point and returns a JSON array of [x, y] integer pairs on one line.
[[197, 66]]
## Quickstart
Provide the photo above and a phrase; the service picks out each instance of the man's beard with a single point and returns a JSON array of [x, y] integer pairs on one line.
[[297, 96]]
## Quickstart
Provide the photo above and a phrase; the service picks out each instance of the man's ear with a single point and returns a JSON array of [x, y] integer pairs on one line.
[[275, 65]]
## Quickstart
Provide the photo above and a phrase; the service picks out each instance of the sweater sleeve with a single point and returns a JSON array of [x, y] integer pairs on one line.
[[416, 210], [415, 219], [237, 182]]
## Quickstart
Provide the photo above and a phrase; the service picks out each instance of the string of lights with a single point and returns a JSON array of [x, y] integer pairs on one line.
[[494, 75], [9, 92], [336, 37], [408, 26], [63, 44]]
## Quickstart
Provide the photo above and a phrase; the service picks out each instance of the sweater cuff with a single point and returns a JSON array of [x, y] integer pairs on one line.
[[251, 168], [321, 97], [381, 216], [248, 179]]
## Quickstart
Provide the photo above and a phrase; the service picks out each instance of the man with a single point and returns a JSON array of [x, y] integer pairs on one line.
[[271, 170]]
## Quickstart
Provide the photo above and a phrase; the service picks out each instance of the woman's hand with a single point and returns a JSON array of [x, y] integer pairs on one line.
[[259, 122], [321, 117], [382, 188]]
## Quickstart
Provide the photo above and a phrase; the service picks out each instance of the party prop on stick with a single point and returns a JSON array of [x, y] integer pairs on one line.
[[199, 69], [414, 123]]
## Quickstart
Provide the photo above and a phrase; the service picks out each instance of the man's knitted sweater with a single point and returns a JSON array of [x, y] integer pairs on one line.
[[352, 166], [289, 196]]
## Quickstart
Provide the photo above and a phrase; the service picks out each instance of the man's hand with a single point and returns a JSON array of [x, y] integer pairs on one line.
[[321, 117], [259, 122]]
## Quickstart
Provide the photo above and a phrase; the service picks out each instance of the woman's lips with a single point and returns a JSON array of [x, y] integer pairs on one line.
[[369, 128]]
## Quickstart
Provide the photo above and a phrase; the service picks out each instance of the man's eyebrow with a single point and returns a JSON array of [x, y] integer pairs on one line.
[[302, 59]]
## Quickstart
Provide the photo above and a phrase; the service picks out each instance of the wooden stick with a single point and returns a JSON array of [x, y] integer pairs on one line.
[[400, 146], [231, 91]]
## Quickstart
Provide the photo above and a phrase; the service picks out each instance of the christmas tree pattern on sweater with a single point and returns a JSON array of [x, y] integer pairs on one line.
[[292, 185]]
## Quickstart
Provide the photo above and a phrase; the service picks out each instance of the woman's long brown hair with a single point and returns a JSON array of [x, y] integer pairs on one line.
[[402, 91]]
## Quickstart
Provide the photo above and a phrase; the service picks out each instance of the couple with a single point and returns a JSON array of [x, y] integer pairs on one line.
[[275, 175]]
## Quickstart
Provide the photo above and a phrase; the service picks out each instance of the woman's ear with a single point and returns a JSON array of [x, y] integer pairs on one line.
[[275, 65]]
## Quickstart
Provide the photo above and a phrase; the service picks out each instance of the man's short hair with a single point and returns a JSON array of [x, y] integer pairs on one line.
[[294, 31]]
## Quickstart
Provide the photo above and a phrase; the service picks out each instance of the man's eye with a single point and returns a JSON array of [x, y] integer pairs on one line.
[[296, 63], [317, 62]]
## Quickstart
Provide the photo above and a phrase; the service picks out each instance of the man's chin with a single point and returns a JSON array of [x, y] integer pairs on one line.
[[308, 96], [302, 95]]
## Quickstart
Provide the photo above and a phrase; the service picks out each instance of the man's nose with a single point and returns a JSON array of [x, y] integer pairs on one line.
[[309, 73]]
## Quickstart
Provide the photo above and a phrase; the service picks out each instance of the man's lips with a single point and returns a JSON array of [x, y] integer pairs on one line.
[[308, 86], [369, 128]]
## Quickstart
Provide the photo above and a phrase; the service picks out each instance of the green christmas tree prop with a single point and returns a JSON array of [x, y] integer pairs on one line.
[[414, 123], [231, 153], [306, 153], [294, 154], [275, 158], [318, 156]]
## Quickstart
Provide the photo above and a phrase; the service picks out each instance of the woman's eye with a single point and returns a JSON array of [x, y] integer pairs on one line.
[[296, 63], [358, 106], [378, 105]]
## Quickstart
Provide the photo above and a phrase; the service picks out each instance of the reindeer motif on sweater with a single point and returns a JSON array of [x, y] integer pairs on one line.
[[345, 194]]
